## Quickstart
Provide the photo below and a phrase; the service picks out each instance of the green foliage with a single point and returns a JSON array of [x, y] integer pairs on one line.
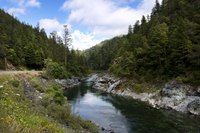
[[17, 115], [55, 70], [54, 95], [182, 79], [125, 65], [27, 47], [60, 113], [138, 88], [36, 84], [58, 108], [15, 83], [163, 46]]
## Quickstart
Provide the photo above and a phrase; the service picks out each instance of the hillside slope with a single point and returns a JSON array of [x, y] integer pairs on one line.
[[24, 46], [164, 45], [29, 103]]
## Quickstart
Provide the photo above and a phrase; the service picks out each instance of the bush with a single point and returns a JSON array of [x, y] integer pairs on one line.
[[138, 87], [36, 84], [59, 113], [182, 79], [55, 70], [62, 114], [54, 95]]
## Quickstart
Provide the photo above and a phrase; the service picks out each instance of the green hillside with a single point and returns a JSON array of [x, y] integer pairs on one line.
[[24, 46], [163, 45]]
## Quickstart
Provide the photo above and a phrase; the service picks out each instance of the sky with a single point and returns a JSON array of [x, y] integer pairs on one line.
[[89, 21]]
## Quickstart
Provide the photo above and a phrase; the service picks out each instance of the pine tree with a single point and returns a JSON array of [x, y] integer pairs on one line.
[[67, 42], [130, 30]]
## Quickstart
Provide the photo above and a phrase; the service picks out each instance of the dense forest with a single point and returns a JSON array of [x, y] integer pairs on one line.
[[163, 45], [27, 47]]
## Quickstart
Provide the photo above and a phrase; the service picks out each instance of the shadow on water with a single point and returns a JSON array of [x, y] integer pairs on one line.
[[125, 115]]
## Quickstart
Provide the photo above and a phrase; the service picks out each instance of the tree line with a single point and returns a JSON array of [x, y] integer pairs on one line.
[[27, 47]]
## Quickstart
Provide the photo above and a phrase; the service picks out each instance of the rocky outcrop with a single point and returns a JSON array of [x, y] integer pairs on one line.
[[31, 92], [173, 95], [194, 107], [68, 83]]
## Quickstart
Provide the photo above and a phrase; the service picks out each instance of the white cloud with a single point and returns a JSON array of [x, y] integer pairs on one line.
[[16, 11], [21, 6], [83, 41], [147, 5], [105, 15], [51, 25], [104, 18], [80, 40], [33, 3]]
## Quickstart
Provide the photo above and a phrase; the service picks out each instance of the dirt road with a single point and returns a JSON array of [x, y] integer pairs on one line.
[[19, 72]]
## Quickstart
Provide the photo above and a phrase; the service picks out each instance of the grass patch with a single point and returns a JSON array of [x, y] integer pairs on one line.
[[145, 87], [139, 87], [16, 114], [19, 115], [36, 84]]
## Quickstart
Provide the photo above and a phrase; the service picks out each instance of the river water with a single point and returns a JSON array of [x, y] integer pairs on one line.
[[125, 115]]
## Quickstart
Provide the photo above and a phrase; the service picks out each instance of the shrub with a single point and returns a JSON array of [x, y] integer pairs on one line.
[[36, 84], [54, 95], [59, 113], [138, 87], [55, 70], [182, 79]]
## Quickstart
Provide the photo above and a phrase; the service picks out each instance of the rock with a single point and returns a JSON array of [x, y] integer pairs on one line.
[[111, 131], [173, 89], [113, 86], [17, 94], [194, 107], [198, 90], [92, 78], [68, 83], [102, 80]]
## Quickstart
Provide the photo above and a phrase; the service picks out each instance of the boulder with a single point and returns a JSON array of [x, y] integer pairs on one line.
[[194, 107], [113, 86], [198, 90], [92, 78], [68, 83], [173, 89]]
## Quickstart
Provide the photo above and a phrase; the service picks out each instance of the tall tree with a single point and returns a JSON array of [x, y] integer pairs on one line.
[[67, 42]]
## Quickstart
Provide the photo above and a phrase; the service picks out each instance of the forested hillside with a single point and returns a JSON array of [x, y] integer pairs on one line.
[[163, 45], [27, 47]]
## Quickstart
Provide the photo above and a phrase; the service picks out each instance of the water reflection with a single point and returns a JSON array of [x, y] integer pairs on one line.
[[127, 115]]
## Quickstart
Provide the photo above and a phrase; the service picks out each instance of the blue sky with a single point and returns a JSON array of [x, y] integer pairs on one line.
[[89, 21]]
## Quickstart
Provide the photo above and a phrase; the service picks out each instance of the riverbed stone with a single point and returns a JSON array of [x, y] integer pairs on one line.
[[194, 107], [198, 90], [68, 83]]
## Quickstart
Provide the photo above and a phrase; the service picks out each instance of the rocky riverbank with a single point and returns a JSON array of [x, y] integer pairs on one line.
[[173, 95], [69, 83]]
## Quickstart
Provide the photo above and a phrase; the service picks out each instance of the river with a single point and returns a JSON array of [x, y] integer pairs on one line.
[[125, 115]]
